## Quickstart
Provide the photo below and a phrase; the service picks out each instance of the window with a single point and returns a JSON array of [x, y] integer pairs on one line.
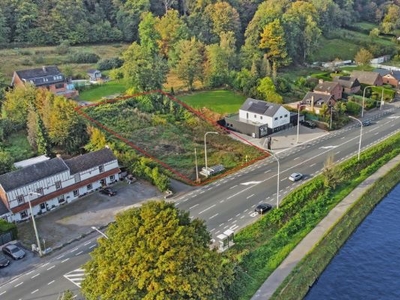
[[20, 199], [280, 117], [276, 118], [112, 177], [24, 214], [261, 117], [76, 193], [286, 116], [59, 85], [58, 185], [89, 186], [42, 205], [101, 169], [255, 116], [39, 191], [61, 199]]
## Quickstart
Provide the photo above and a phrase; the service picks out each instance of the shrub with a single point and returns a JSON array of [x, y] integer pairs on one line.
[[109, 64], [83, 58], [63, 48]]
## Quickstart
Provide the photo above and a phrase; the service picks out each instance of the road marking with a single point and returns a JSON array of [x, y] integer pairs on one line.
[[250, 182], [222, 201], [230, 219], [51, 282], [213, 216], [328, 147], [312, 165], [35, 275], [296, 158], [212, 230], [61, 256], [217, 232], [237, 215], [76, 276], [30, 272], [201, 192], [18, 284], [87, 243], [63, 261], [267, 171], [337, 152], [245, 210], [73, 250], [50, 268], [242, 217], [342, 138], [250, 196], [193, 206], [377, 133], [45, 264], [283, 179], [232, 187], [2, 293], [253, 214], [208, 208], [78, 253], [233, 227], [92, 246], [35, 291]]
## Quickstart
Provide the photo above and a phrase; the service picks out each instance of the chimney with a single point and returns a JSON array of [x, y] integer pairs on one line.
[[44, 69]]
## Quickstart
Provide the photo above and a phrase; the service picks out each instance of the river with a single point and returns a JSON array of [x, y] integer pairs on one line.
[[368, 264]]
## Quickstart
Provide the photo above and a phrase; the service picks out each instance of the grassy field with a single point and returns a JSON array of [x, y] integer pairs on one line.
[[219, 101], [96, 92], [26, 58], [335, 48]]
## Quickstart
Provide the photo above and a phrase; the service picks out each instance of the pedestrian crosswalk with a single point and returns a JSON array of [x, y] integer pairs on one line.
[[76, 276]]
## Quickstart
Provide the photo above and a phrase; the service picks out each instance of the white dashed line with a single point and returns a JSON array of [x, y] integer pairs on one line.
[[213, 216], [63, 261], [17, 285], [230, 219], [232, 187], [45, 265], [92, 246], [73, 250], [51, 282], [2, 293], [237, 215], [50, 268], [35, 291], [35, 275], [208, 208], [87, 243], [250, 196], [193, 206], [78, 253]]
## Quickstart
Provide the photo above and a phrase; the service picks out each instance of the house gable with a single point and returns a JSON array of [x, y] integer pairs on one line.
[[370, 78]]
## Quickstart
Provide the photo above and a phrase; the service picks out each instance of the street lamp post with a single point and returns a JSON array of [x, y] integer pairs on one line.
[[34, 222], [102, 233], [361, 132], [298, 121], [277, 181], [363, 100], [205, 146]]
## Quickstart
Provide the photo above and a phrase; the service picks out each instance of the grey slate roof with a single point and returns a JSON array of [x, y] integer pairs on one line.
[[326, 87], [41, 76], [347, 81], [384, 72], [319, 99], [260, 107], [32, 173], [90, 160]]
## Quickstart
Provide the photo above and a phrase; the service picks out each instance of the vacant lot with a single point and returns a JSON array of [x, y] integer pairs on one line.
[[162, 129], [219, 101]]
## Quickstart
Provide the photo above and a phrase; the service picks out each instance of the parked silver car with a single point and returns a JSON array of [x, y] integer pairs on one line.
[[4, 262], [14, 251]]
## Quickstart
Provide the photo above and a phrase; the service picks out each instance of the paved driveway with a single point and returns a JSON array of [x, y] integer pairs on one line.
[[73, 220]]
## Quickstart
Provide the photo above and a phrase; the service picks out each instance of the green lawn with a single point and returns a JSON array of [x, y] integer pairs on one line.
[[335, 48], [220, 101], [96, 92]]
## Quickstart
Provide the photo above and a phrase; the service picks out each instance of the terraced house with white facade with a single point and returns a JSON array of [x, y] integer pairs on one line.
[[51, 183]]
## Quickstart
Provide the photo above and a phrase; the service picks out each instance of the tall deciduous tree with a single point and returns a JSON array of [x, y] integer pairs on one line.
[[6, 162], [190, 61], [224, 18], [363, 57], [144, 71], [171, 30], [16, 103], [155, 252], [267, 89], [97, 139], [148, 34], [273, 42]]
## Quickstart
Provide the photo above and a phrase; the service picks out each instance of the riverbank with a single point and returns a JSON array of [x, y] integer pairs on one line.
[[309, 259]]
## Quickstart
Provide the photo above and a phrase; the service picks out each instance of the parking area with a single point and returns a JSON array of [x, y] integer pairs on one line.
[[75, 219]]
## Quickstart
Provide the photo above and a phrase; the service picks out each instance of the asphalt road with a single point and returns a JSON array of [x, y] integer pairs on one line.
[[226, 203]]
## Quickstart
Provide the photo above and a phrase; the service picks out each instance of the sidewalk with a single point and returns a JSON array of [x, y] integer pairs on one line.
[[308, 243]]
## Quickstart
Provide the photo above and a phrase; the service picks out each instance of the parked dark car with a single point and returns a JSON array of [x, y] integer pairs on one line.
[[366, 123], [308, 124], [14, 251], [263, 208], [108, 191], [4, 262]]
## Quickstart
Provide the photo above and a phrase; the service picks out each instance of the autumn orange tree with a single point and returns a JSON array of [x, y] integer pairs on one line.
[[156, 252]]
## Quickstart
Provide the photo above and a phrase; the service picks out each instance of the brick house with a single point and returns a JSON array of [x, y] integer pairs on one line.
[[58, 181], [329, 88], [391, 77], [368, 78], [314, 101], [350, 85], [48, 77]]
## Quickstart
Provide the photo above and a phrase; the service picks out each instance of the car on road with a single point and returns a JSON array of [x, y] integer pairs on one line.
[[4, 262], [295, 177], [108, 191], [14, 251], [366, 123], [308, 124], [262, 208]]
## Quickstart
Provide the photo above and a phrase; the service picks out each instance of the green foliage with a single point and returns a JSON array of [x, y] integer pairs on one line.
[[156, 251], [67, 295], [331, 173], [267, 89], [83, 58], [110, 63], [63, 48], [6, 162]]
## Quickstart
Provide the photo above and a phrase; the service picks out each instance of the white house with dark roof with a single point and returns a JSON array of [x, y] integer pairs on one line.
[[259, 118], [59, 181]]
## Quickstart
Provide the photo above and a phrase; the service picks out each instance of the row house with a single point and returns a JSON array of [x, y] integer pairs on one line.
[[51, 183], [48, 77]]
